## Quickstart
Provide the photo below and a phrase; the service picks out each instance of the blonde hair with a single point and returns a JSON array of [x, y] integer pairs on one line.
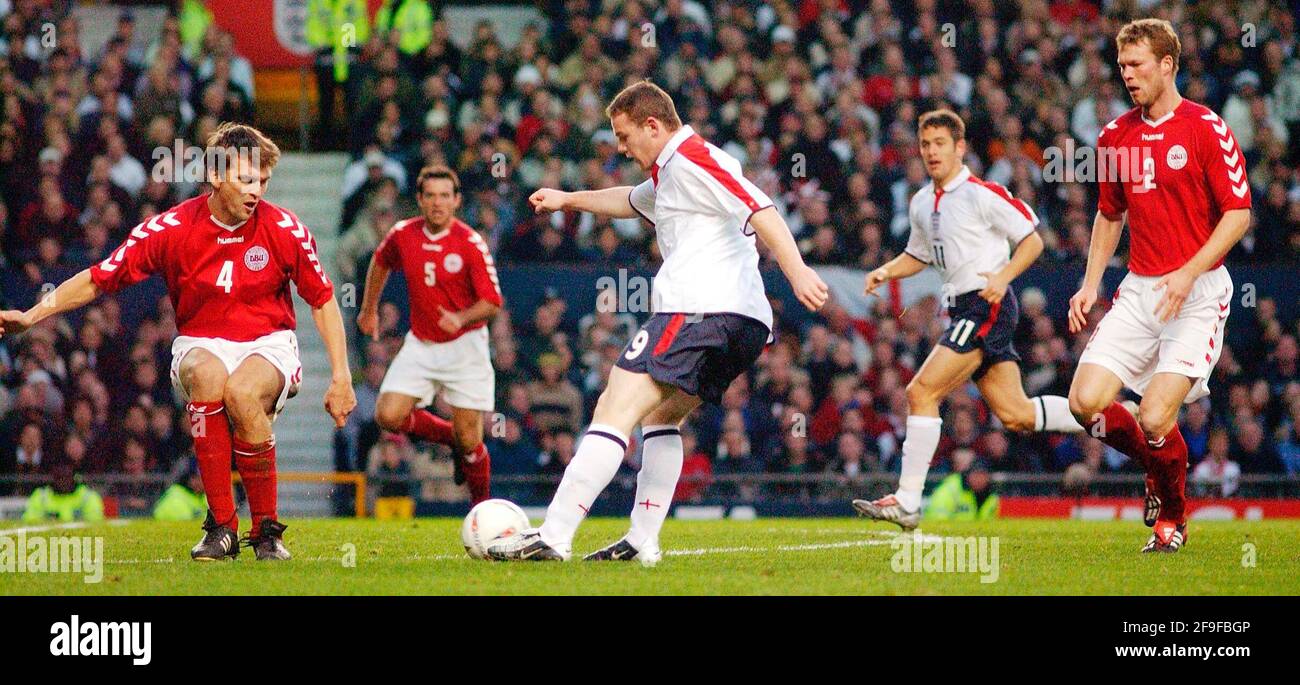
[[1158, 33]]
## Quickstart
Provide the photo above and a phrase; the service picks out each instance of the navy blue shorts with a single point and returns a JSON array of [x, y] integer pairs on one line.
[[699, 353], [979, 325]]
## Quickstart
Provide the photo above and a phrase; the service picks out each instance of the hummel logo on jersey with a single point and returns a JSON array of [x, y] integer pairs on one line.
[[1153, 136], [230, 241], [431, 246]]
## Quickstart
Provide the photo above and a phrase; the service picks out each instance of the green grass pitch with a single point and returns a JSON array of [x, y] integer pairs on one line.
[[770, 556]]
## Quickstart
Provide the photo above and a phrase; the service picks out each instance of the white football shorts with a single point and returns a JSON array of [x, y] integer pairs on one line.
[[280, 348], [1133, 344], [461, 369]]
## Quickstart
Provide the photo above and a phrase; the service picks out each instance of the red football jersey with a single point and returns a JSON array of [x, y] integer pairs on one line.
[[451, 270], [1180, 175], [228, 283]]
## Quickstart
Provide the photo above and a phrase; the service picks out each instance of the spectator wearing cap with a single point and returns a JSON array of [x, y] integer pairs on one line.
[[364, 177], [184, 500], [358, 244], [556, 403], [64, 499], [966, 495]]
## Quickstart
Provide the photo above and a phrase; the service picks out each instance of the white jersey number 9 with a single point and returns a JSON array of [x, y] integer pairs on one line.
[[638, 344]]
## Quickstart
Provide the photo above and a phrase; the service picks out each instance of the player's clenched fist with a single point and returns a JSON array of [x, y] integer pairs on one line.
[[368, 322], [1080, 304], [13, 322], [340, 400], [547, 200], [874, 280], [810, 289]]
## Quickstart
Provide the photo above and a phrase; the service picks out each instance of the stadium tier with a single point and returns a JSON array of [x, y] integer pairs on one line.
[[105, 114]]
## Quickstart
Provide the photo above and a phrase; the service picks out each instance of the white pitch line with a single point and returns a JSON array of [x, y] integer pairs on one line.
[[74, 525], [881, 538], [42, 529]]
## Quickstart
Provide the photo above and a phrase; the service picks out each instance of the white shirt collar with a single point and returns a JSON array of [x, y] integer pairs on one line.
[[435, 237], [228, 227], [1167, 116], [675, 141], [957, 180]]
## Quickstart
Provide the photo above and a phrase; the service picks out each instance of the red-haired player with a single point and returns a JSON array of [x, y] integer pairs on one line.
[[1187, 205], [228, 258], [453, 288]]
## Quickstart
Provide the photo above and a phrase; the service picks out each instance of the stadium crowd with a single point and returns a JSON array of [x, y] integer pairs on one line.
[[819, 102], [817, 98]]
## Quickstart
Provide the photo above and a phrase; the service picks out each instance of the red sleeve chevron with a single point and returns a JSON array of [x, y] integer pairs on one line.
[[1225, 167], [315, 291]]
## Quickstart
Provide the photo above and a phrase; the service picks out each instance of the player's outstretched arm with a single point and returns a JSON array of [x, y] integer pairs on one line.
[[775, 234], [613, 202], [340, 399], [1105, 238], [902, 266], [368, 315], [1178, 284], [1026, 252], [71, 294]]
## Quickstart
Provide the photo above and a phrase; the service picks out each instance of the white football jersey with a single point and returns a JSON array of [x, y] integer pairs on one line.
[[700, 205], [967, 228]]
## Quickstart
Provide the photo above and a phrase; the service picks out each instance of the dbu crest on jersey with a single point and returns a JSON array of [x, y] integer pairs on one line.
[[1177, 157], [256, 258], [453, 263]]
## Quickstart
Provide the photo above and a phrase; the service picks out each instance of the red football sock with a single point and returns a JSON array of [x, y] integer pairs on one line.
[[212, 448], [1120, 430], [478, 474], [256, 464], [1169, 463], [428, 426]]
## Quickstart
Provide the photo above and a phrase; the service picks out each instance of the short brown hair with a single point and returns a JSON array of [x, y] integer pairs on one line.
[[1158, 33], [437, 171], [943, 118], [643, 100], [242, 137]]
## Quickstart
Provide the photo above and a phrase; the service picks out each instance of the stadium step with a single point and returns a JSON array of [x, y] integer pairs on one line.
[[310, 185]]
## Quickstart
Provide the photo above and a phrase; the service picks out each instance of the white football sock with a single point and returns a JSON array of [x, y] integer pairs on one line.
[[918, 451], [594, 464], [661, 466], [1052, 413]]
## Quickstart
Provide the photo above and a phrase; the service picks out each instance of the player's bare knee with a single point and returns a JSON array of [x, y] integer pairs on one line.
[[1084, 404], [1156, 421], [242, 401], [391, 417], [204, 381], [921, 396]]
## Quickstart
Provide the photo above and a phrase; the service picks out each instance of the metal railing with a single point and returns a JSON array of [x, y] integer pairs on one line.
[[354, 493]]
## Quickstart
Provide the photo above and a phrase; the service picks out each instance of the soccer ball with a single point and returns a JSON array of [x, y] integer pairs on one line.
[[490, 521]]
